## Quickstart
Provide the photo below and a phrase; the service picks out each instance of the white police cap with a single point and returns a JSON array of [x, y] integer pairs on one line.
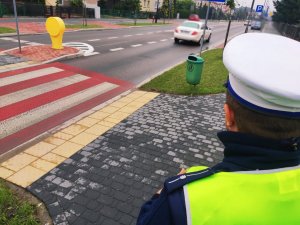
[[264, 73]]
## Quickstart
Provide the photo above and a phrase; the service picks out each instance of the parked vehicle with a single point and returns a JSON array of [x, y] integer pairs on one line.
[[256, 25], [194, 17], [192, 31]]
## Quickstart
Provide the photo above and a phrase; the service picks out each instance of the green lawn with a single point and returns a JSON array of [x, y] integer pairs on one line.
[[143, 24], [173, 81], [80, 26], [13, 211], [4, 30]]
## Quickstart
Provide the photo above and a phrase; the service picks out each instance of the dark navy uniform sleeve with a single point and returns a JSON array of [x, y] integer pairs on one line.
[[168, 208], [156, 211]]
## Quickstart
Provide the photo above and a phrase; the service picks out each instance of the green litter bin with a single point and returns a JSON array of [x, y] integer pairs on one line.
[[194, 68]]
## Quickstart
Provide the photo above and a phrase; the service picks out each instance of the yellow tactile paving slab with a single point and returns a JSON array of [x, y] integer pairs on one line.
[[26, 176], [19, 161], [5, 173], [62, 135], [67, 149], [44, 165], [40, 149], [88, 121], [26, 167], [55, 140], [54, 158]]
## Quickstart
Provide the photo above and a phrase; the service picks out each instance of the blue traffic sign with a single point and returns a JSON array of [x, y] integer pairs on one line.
[[259, 8], [216, 0]]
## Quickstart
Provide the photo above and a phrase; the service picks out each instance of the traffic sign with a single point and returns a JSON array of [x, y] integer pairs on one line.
[[259, 8], [216, 0]]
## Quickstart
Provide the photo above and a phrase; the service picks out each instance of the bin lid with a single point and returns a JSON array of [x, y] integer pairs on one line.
[[195, 58]]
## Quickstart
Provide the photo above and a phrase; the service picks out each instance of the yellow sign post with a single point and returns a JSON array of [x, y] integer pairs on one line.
[[55, 27]]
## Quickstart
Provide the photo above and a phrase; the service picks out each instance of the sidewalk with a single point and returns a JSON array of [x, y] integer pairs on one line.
[[39, 27], [102, 167]]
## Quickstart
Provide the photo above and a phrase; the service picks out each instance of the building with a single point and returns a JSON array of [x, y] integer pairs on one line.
[[92, 4]]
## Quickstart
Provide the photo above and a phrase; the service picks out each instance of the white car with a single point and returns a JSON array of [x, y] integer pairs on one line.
[[192, 31]]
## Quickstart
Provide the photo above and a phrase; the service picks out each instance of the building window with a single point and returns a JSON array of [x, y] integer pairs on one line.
[[144, 2]]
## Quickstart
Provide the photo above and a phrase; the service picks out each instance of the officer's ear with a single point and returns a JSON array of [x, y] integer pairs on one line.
[[230, 122]]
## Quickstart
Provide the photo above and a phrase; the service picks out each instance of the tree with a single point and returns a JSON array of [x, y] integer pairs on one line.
[[231, 5], [76, 3], [287, 11]]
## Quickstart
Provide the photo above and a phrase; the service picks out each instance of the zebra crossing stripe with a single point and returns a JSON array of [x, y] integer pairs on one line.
[[39, 89], [43, 112], [32, 82], [26, 76], [36, 99]]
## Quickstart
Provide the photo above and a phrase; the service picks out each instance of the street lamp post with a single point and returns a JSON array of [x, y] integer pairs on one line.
[[17, 23], [249, 16], [205, 25]]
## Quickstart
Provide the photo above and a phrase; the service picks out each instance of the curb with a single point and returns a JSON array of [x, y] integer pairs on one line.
[[161, 72], [69, 56]]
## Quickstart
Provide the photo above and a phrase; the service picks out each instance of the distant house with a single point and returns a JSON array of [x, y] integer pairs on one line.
[[92, 4]]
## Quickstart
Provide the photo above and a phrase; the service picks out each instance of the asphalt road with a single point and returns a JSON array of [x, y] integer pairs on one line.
[[133, 54]]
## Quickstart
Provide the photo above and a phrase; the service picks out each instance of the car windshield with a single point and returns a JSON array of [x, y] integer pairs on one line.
[[191, 25]]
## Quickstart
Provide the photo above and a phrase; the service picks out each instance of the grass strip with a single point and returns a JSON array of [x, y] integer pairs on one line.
[[80, 26], [143, 24], [13, 211], [4, 30], [214, 75]]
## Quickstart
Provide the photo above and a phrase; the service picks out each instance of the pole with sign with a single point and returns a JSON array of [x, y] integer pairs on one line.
[[205, 24], [249, 17], [17, 24]]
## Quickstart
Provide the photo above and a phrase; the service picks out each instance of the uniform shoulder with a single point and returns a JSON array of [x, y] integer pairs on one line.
[[194, 173]]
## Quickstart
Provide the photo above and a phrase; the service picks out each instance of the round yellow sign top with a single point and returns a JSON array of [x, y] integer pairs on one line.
[[55, 26]]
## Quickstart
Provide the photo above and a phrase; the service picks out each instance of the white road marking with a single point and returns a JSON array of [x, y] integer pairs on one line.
[[29, 75], [86, 48], [128, 35], [137, 45], [92, 53], [151, 42], [139, 34], [115, 49], [28, 118], [163, 40], [7, 38], [158, 31], [94, 40], [21, 41], [33, 43], [39, 89], [150, 33], [111, 38]]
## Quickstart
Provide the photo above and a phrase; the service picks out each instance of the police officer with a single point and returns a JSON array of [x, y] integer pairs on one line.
[[258, 181]]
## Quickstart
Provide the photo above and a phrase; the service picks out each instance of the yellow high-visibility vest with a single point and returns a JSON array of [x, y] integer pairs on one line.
[[262, 197]]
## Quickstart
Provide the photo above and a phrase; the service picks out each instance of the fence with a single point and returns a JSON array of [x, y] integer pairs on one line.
[[291, 31], [40, 10]]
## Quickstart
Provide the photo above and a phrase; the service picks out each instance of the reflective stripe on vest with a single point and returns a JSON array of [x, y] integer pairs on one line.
[[238, 198]]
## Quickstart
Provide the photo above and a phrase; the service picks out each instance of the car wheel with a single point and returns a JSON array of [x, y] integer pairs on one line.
[[208, 39], [176, 40], [199, 42]]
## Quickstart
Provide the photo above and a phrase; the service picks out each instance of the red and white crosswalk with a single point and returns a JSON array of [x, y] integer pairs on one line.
[[36, 99]]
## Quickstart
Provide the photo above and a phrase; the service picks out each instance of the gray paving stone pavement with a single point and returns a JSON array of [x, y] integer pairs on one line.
[[107, 181], [9, 59]]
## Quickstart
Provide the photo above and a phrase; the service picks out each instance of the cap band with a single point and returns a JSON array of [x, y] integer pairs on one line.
[[263, 110]]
